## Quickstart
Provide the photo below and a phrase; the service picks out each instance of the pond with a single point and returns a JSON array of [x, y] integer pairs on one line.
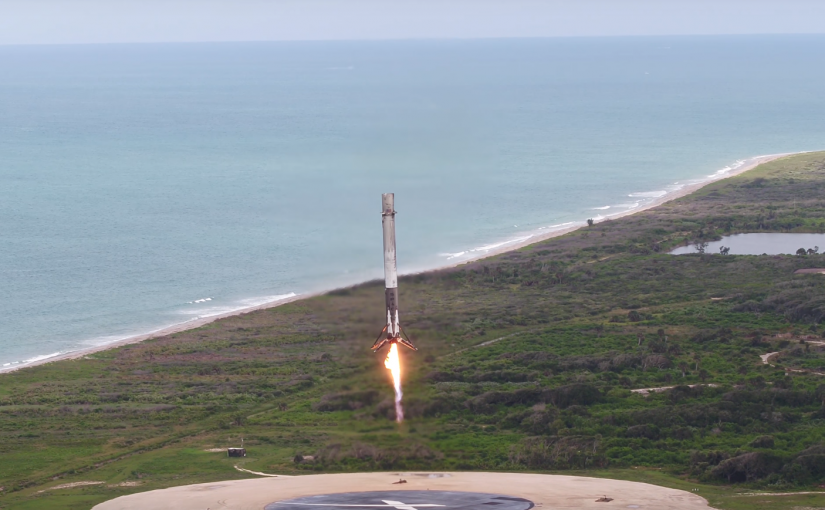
[[760, 244]]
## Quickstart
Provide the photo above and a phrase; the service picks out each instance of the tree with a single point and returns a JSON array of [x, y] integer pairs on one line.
[[700, 246], [703, 375], [590, 222], [801, 252], [683, 366], [724, 250]]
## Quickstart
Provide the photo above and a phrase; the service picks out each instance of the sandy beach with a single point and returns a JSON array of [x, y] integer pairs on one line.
[[743, 166]]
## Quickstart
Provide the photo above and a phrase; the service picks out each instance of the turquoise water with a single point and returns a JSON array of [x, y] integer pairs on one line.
[[147, 185]]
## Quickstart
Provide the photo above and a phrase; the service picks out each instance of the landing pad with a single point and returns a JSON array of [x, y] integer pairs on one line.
[[405, 500], [413, 491]]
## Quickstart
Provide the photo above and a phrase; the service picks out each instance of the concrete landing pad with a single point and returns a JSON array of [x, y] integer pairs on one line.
[[421, 491]]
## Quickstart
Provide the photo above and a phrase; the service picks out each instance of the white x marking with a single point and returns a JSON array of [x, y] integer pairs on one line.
[[388, 504]]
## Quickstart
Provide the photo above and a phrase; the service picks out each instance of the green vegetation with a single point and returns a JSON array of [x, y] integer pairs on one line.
[[527, 362]]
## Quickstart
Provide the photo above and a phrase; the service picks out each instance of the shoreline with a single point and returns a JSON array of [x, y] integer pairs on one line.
[[502, 247], [747, 164]]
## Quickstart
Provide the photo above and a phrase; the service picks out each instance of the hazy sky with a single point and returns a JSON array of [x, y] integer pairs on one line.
[[115, 21]]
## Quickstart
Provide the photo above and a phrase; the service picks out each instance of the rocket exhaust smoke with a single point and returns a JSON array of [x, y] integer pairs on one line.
[[393, 364]]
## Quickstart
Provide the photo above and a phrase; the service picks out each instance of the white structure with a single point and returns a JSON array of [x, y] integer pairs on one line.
[[393, 327]]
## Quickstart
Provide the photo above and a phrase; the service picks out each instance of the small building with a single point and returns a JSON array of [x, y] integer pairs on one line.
[[236, 452]]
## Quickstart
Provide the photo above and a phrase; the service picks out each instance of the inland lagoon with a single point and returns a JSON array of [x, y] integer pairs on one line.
[[758, 244]]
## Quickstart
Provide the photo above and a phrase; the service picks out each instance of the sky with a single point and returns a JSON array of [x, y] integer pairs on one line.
[[143, 21]]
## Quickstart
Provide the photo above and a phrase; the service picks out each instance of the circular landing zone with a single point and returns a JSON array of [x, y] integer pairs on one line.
[[413, 491], [405, 500]]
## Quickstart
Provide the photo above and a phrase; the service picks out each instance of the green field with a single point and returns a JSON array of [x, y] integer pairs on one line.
[[527, 362]]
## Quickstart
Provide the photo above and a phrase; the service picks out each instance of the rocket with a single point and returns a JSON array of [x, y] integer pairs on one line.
[[392, 332]]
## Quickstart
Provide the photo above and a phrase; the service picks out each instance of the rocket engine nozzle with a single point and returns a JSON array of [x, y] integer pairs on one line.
[[387, 340]]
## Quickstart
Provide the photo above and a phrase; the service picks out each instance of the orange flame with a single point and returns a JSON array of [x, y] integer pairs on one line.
[[393, 364]]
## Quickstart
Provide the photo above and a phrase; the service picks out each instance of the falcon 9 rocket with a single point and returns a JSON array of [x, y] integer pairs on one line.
[[392, 332]]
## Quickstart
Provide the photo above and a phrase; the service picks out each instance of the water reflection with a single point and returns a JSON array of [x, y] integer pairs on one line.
[[760, 244]]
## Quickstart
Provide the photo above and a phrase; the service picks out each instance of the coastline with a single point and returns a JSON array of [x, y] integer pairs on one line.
[[503, 247], [747, 164]]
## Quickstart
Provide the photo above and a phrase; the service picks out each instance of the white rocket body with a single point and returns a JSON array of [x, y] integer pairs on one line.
[[390, 264], [393, 327]]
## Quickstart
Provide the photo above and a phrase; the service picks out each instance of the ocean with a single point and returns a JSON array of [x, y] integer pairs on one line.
[[149, 185]]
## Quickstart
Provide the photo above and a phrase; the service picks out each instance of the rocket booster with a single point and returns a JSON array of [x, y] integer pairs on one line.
[[393, 328]]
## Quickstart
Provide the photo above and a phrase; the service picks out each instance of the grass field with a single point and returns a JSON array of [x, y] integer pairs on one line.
[[527, 362]]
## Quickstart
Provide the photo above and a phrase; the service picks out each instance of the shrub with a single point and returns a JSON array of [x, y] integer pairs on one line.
[[538, 422], [646, 431], [762, 442], [486, 402], [747, 467], [568, 452], [572, 394], [346, 401], [807, 466]]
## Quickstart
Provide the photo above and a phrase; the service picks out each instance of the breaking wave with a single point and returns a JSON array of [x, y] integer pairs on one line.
[[35, 359], [648, 194], [237, 306]]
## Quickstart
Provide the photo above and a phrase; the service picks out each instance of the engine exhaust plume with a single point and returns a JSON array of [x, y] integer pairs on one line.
[[393, 364]]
